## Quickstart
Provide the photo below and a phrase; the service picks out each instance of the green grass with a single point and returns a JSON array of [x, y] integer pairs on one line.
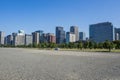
[[117, 50], [92, 50], [79, 50]]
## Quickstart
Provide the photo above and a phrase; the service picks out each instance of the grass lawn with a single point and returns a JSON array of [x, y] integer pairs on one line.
[[92, 50]]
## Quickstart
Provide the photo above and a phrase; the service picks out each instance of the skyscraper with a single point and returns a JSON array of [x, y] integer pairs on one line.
[[70, 37], [44, 38], [28, 39], [117, 33], [82, 36], [75, 30], [19, 38], [2, 37], [40, 35], [9, 40], [60, 35], [51, 38], [101, 32], [48, 38], [35, 37], [14, 38]]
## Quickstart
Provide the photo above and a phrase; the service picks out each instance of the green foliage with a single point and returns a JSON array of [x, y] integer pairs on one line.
[[43, 45], [51, 45], [86, 44], [71, 45], [35, 45], [80, 45], [95, 45], [108, 45], [30, 45], [117, 44], [91, 45], [67, 45], [100, 45]]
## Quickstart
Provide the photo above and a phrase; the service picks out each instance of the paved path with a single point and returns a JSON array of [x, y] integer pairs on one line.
[[29, 64]]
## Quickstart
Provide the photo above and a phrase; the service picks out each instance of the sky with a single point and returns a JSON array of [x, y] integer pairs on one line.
[[32, 15]]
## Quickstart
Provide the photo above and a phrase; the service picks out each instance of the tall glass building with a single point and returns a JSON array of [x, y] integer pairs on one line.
[[117, 33], [60, 35], [101, 32], [75, 30], [82, 36], [40, 35], [9, 40], [35, 38]]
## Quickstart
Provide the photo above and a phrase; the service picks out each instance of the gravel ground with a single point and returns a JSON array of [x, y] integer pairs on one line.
[[30, 64]]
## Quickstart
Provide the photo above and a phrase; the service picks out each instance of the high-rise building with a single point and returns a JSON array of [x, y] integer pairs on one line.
[[44, 38], [48, 38], [36, 37], [117, 33], [14, 38], [101, 32], [28, 39], [60, 35], [2, 37], [82, 36], [51, 38], [18, 38], [70, 37], [40, 35], [9, 40], [75, 30]]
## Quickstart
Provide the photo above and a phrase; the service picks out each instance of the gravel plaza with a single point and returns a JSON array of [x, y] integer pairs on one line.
[[33, 64]]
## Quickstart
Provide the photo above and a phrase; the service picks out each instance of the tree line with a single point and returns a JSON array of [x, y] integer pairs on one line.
[[77, 45]]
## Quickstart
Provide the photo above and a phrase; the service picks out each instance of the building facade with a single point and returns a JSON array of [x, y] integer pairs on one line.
[[82, 36], [35, 38], [9, 40], [60, 35], [70, 37], [75, 30], [19, 40], [117, 33], [40, 35], [44, 38], [51, 38], [2, 38], [28, 39], [101, 32]]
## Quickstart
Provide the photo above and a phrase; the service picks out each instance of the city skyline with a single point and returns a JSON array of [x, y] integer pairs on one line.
[[32, 15], [98, 32]]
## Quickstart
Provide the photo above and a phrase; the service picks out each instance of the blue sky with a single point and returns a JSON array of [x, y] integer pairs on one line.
[[32, 15]]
